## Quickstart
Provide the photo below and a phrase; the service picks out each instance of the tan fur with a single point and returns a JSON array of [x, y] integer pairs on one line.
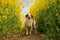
[[30, 23]]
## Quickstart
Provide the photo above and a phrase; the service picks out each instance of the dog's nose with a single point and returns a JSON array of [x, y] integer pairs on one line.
[[28, 17]]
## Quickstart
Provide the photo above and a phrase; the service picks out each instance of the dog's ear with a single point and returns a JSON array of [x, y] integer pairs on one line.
[[32, 16], [26, 15]]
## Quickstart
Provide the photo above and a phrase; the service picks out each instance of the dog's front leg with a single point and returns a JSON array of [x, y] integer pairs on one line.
[[30, 30], [26, 31]]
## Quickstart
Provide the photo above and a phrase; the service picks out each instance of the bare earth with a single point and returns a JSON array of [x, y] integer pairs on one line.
[[19, 36]]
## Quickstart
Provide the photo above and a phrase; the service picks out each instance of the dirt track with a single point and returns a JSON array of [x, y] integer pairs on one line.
[[22, 37]]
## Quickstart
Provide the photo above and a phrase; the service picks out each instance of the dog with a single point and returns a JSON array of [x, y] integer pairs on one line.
[[30, 23]]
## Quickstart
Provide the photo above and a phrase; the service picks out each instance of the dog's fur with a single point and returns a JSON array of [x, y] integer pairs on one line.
[[30, 23]]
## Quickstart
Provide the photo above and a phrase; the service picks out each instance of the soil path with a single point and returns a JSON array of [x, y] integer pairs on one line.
[[19, 36]]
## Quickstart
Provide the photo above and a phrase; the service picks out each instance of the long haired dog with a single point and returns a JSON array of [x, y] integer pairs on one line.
[[30, 23]]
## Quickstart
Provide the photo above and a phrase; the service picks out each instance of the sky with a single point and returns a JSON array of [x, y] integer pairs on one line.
[[26, 7]]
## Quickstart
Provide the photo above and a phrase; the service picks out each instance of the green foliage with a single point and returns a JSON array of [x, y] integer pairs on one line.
[[9, 21], [48, 19]]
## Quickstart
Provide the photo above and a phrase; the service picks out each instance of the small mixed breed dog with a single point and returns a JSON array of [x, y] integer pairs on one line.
[[30, 23]]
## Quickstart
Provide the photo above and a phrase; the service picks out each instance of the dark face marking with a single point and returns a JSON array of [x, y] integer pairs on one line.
[[26, 15], [32, 16], [29, 16]]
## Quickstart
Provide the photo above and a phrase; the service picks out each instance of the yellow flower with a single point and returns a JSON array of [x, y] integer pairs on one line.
[[54, 0], [4, 16], [15, 2], [33, 0], [21, 3], [1, 10], [23, 25], [0, 20], [46, 3], [6, 10], [18, 10], [57, 14], [3, 2], [10, 2]]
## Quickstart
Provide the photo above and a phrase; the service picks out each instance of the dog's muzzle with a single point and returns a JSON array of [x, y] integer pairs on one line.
[[28, 17]]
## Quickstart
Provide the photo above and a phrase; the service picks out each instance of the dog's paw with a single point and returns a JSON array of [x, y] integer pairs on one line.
[[26, 33], [30, 33]]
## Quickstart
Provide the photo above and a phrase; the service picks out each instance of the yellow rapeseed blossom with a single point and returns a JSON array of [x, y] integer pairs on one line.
[[23, 25], [1, 10], [4, 16], [47, 3], [54, 0], [10, 2], [15, 2], [20, 17], [18, 10], [0, 20], [21, 3], [57, 14], [3, 2], [39, 5], [6, 10], [33, 0]]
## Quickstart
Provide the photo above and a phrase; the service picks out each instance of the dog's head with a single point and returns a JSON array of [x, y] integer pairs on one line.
[[29, 16]]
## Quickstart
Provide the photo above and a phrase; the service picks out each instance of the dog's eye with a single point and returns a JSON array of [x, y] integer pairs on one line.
[[26, 15]]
